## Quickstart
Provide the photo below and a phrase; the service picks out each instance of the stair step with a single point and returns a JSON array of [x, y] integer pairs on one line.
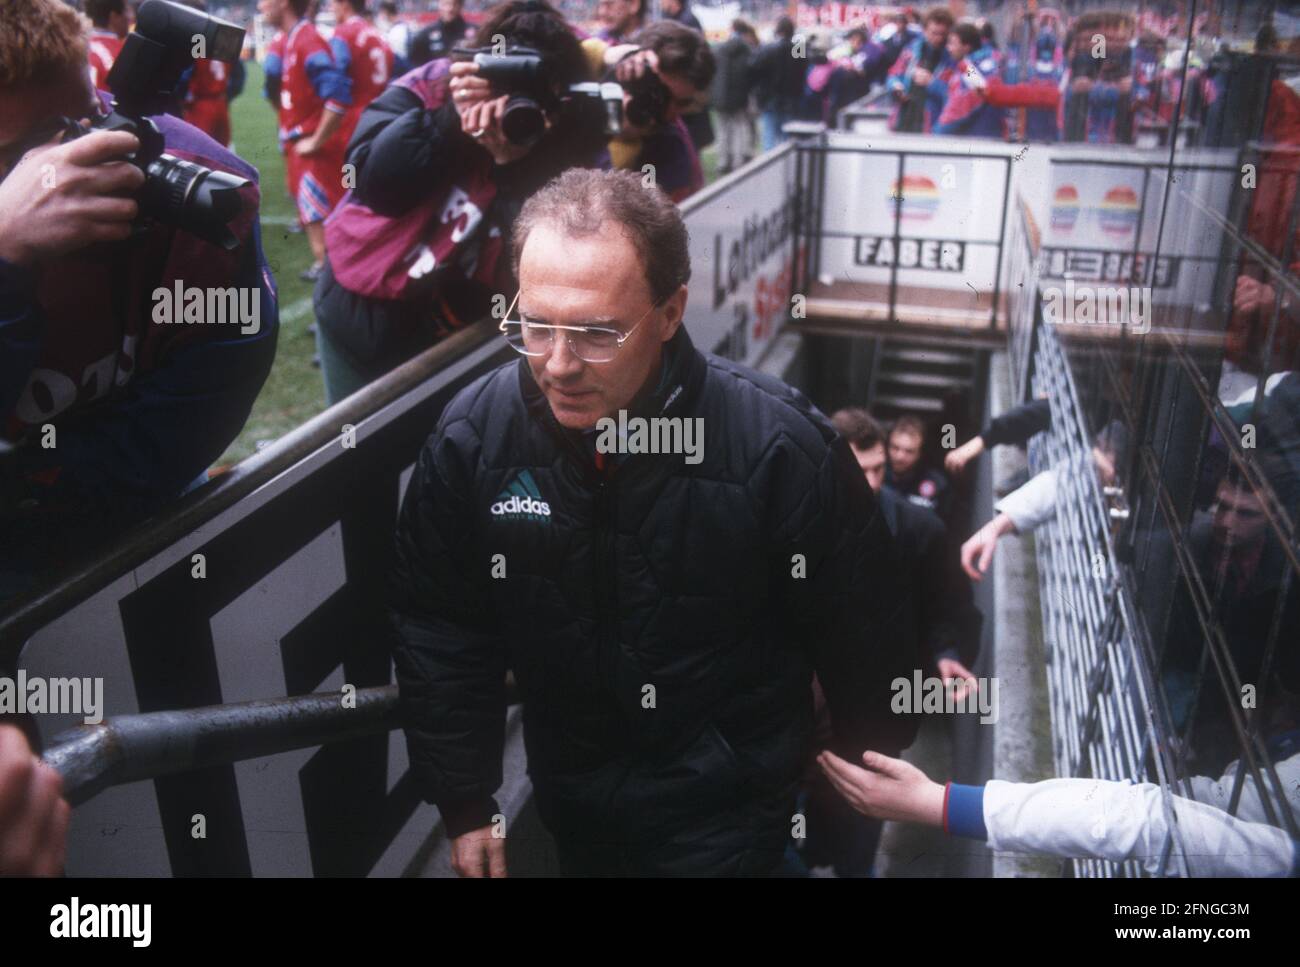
[[916, 404], [932, 380], [927, 356]]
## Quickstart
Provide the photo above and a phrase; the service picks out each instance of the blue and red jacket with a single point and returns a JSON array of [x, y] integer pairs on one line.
[[1046, 67], [966, 111], [899, 81]]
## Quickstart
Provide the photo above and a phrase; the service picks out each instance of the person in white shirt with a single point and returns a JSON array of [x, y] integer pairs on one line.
[[1081, 818]]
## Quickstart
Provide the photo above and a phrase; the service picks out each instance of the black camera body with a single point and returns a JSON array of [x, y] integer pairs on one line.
[[523, 75], [143, 81]]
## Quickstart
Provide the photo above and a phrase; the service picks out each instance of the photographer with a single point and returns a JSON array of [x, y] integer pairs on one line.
[[669, 70], [109, 413], [415, 250]]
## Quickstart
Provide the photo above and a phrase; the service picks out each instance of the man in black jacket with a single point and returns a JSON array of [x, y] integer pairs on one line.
[[439, 37], [731, 88], [662, 545], [779, 70]]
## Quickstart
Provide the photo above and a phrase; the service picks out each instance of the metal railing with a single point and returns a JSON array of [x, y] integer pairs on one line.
[[1106, 717], [128, 748]]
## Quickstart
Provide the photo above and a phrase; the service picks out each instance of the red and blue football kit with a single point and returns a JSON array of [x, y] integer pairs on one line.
[[361, 51], [102, 47], [311, 83], [206, 106]]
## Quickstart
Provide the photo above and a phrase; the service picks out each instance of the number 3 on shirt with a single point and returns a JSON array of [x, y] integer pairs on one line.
[[380, 76]]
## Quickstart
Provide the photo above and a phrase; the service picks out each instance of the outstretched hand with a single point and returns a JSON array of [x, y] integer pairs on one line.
[[886, 789]]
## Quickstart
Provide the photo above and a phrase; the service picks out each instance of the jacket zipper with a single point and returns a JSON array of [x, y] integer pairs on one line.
[[604, 581]]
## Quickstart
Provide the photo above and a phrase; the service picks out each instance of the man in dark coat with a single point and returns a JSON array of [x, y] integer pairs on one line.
[[662, 545]]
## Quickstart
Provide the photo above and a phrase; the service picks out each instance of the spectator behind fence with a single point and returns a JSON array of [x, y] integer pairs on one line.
[[919, 78], [1076, 818], [112, 406], [966, 109], [417, 250], [1098, 82], [1016, 426], [668, 709], [1045, 67], [731, 88]]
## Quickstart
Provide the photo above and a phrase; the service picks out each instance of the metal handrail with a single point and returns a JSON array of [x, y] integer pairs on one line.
[[129, 748]]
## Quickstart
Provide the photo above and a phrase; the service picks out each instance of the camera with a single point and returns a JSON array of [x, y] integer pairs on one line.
[[523, 75], [143, 81]]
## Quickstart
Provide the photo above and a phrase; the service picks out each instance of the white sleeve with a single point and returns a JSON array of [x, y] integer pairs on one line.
[[1249, 807], [1033, 504], [1118, 821]]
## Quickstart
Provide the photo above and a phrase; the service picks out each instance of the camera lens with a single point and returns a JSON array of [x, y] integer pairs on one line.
[[522, 121]]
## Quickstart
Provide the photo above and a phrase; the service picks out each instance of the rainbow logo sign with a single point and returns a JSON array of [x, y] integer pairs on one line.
[[1065, 208], [920, 198], [1118, 212]]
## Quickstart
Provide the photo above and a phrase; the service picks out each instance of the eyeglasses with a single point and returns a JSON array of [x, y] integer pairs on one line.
[[591, 344]]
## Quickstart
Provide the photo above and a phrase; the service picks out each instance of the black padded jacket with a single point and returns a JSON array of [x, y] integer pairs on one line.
[[663, 619]]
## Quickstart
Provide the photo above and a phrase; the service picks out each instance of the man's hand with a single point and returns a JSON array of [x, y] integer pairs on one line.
[[63, 197], [886, 789], [951, 670], [636, 65], [467, 88], [478, 854], [1081, 85], [482, 122], [33, 815], [306, 147], [1251, 295], [921, 77], [956, 461], [982, 546]]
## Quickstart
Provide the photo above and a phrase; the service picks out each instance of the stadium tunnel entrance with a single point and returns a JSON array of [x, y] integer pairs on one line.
[[900, 273]]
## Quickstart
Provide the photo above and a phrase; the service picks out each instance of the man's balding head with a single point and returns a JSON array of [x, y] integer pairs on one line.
[[600, 248]]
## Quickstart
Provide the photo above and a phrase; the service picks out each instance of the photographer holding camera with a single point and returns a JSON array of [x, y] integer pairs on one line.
[[108, 413], [667, 73], [445, 158]]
